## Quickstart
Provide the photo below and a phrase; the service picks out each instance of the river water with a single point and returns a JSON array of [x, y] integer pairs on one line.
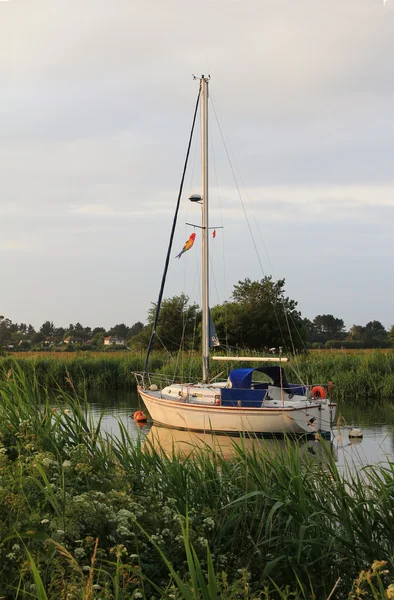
[[376, 422]]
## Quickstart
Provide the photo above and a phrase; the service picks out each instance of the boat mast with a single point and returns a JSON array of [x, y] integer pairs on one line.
[[205, 230]]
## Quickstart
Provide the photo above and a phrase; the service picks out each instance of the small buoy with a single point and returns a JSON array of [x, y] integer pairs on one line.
[[355, 433], [54, 409], [139, 416], [66, 411], [153, 387]]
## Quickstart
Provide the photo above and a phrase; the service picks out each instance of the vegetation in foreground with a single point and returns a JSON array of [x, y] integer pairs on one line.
[[358, 377], [84, 515]]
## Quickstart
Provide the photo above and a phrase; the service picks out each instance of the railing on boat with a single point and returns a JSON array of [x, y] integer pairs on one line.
[[313, 392]]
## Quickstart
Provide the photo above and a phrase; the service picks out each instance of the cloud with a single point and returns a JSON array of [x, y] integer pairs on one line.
[[14, 245], [97, 100]]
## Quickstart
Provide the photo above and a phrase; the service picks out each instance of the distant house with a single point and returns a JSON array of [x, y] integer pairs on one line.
[[72, 339], [110, 340]]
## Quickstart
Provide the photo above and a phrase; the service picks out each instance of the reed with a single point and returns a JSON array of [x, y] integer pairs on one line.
[[358, 376], [266, 524]]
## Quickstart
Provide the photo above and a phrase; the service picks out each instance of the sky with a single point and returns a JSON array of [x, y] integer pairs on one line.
[[97, 99]]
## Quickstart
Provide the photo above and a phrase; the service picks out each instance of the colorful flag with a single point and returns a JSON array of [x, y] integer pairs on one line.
[[214, 233], [187, 245]]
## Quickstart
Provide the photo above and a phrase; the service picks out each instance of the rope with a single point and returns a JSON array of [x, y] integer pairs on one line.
[[158, 305]]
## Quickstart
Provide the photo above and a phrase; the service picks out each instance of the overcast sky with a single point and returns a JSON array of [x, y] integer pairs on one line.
[[96, 105]]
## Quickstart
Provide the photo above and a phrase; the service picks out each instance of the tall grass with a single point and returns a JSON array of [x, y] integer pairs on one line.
[[262, 525], [357, 377]]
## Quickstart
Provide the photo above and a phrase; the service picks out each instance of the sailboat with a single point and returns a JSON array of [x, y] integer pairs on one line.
[[242, 404]]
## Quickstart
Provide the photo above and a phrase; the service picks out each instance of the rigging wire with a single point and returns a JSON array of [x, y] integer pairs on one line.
[[169, 250], [243, 206], [186, 271], [254, 242], [223, 236]]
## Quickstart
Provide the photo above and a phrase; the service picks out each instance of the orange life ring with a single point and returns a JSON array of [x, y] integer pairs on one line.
[[139, 416], [318, 391]]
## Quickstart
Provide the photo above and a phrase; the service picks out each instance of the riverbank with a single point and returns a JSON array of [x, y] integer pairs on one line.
[[357, 376], [86, 515]]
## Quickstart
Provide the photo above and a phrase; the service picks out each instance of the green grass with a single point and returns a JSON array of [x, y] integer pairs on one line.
[[357, 377], [87, 515]]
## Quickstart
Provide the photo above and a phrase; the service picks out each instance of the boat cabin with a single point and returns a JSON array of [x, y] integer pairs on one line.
[[241, 390]]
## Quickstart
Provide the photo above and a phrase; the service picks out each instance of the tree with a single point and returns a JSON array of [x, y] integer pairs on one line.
[[59, 333], [228, 319], [22, 328], [261, 316], [309, 329], [327, 327], [13, 327], [375, 335], [4, 330], [98, 330], [120, 330], [98, 337], [78, 331], [47, 328], [177, 326], [136, 329], [37, 338], [356, 333]]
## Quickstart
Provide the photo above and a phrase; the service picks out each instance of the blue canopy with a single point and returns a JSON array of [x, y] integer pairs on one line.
[[242, 378], [242, 394]]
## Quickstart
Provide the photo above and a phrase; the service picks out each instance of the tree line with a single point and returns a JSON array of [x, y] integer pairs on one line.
[[259, 316], [21, 336]]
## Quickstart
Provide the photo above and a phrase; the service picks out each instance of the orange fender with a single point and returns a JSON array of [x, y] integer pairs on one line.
[[318, 391], [139, 416]]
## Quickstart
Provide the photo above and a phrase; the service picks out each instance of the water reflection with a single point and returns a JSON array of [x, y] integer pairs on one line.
[[375, 420], [187, 443]]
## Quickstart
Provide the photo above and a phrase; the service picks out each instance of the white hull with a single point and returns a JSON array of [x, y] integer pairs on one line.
[[303, 417]]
